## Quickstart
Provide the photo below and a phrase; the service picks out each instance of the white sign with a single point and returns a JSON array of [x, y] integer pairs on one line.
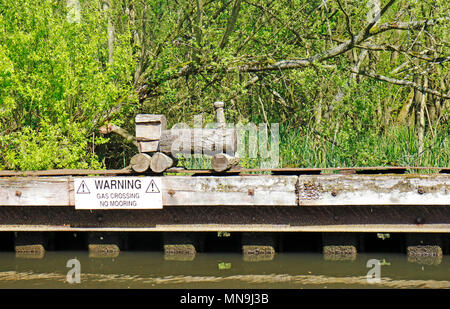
[[118, 193]]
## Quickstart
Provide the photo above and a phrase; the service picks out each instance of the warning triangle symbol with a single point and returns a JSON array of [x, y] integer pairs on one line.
[[152, 188], [83, 188]]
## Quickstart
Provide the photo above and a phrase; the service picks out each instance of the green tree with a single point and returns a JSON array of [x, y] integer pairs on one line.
[[57, 86]]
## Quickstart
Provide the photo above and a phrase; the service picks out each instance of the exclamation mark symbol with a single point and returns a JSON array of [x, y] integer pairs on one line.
[[152, 188], [83, 189]]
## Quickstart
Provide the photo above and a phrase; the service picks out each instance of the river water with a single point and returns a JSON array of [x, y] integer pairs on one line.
[[152, 270]]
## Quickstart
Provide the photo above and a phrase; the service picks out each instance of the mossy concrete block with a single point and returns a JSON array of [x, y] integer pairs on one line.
[[424, 248], [425, 260], [339, 253], [259, 257], [104, 244], [182, 246], [258, 250], [30, 244], [30, 252], [258, 244], [340, 246], [103, 251], [180, 250]]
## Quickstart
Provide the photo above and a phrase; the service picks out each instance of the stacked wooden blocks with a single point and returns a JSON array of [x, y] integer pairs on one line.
[[158, 146]]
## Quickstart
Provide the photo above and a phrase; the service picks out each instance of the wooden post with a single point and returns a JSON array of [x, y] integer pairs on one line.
[[339, 246], [258, 246], [104, 244], [424, 248], [220, 115], [30, 244], [140, 163], [221, 162], [160, 162], [148, 131]]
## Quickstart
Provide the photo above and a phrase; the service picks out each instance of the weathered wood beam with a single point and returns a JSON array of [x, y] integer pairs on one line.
[[200, 141], [220, 115], [221, 162], [260, 190], [409, 189], [176, 191], [149, 127], [227, 191], [148, 131], [292, 171], [161, 162], [140, 162], [112, 128], [43, 191]]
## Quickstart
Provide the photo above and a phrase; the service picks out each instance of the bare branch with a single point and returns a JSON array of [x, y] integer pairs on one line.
[[366, 32], [389, 47], [265, 9], [347, 21], [112, 128], [403, 83], [330, 53], [410, 25]]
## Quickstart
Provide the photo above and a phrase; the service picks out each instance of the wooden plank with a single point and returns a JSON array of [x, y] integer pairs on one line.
[[128, 171], [161, 162], [177, 191], [64, 172], [29, 191], [148, 132], [261, 190], [148, 146], [229, 191], [221, 162], [323, 190], [399, 228], [151, 118]]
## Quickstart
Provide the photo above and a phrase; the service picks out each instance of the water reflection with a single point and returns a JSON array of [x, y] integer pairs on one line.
[[227, 270]]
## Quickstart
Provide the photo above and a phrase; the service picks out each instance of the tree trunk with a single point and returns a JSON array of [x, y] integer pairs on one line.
[[140, 163], [222, 162], [199, 141], [160, 162], [106, 8], [421, 129]]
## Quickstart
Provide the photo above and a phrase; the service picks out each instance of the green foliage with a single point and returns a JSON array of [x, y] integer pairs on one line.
[[56, 84], [30, 149]]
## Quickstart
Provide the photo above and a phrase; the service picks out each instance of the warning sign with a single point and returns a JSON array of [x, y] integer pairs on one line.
[[152, 187], [118, 193], [83, 189]]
